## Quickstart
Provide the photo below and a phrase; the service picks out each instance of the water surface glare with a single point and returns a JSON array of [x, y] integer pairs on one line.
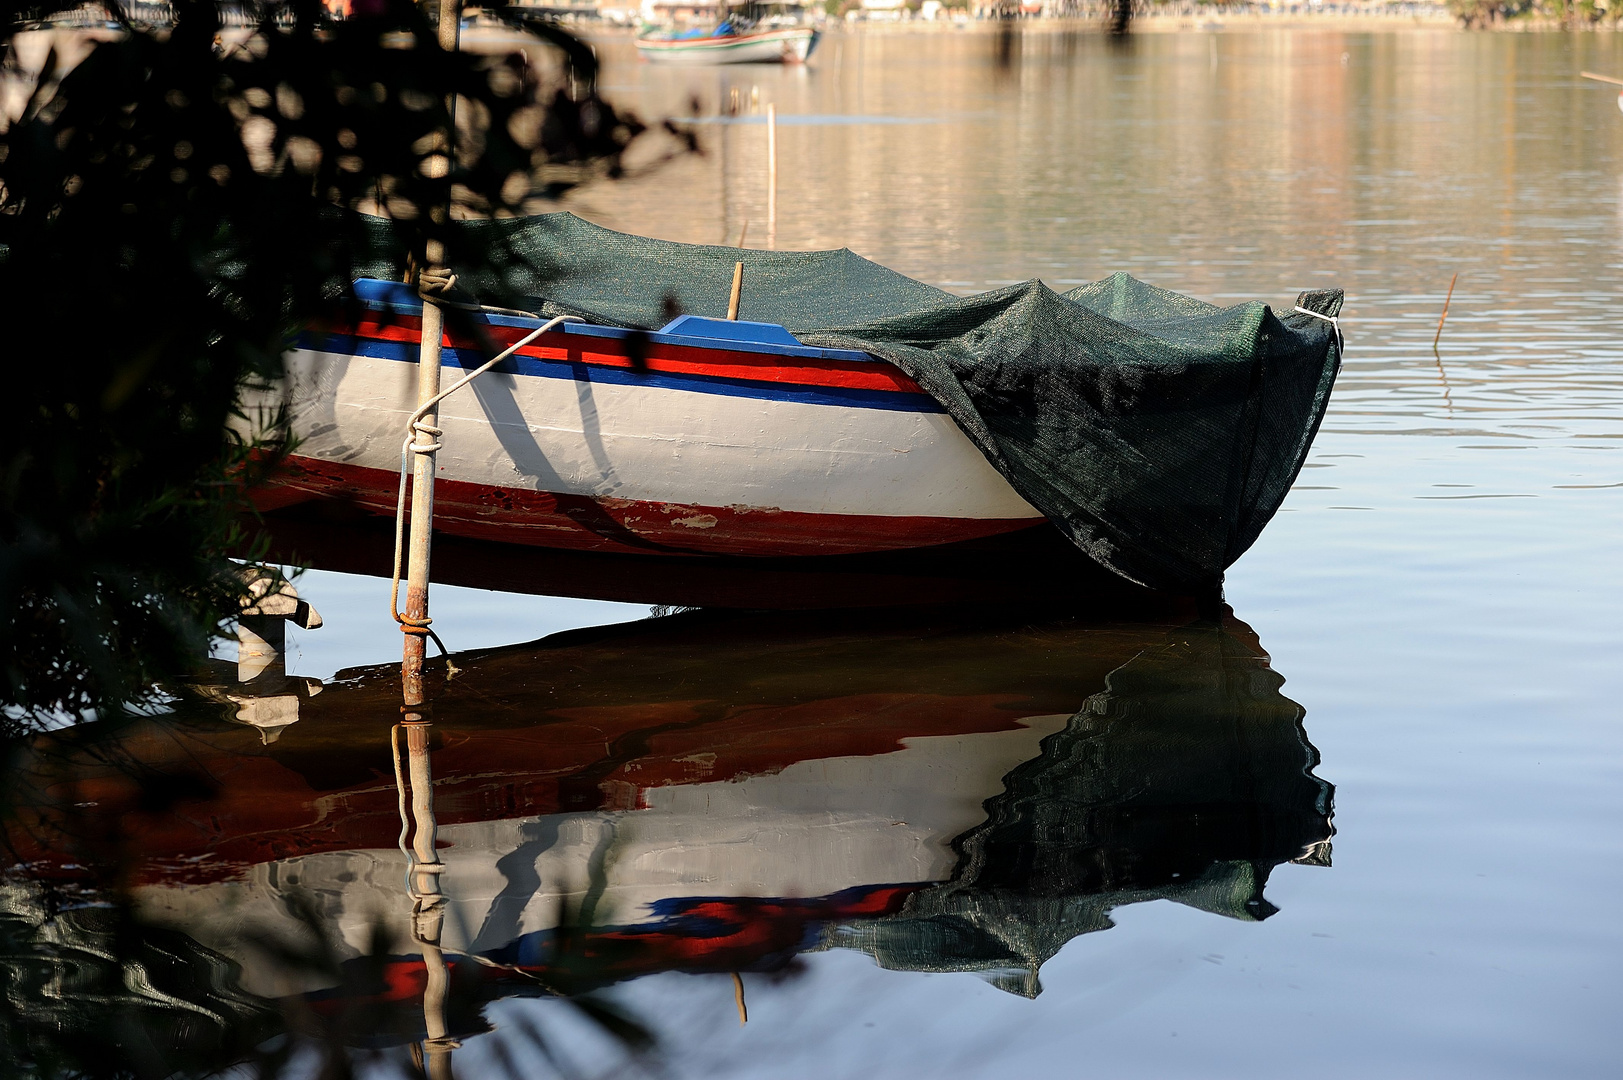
[[858, 815]]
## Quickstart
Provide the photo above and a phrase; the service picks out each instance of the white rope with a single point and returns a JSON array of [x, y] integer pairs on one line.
[[1335, 325], [415, 429]]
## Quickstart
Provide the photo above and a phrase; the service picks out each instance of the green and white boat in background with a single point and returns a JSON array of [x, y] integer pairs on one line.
[[730, 43]]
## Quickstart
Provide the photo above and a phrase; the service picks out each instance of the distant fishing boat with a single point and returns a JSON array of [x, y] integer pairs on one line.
[[730, 43], [1608, 79]]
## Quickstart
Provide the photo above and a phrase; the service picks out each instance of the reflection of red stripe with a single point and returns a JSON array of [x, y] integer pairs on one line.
[[569, 761], [757, 930], [676, 359]]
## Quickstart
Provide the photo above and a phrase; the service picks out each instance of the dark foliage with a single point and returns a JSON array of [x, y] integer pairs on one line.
[[1574, 14], [99, 992], [170, 209]]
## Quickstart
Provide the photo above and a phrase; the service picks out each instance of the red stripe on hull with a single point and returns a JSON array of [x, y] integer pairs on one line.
[[656, 356], [585, 523]]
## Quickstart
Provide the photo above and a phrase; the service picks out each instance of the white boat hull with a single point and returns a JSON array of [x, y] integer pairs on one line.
[[714, 450], [792, 45]]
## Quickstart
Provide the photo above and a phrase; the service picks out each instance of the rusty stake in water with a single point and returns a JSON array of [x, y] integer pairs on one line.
[[436, 276], [1439, 335]]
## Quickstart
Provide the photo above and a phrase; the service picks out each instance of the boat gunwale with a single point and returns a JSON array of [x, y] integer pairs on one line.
[[744, 383], [785, 33], [414, 307]]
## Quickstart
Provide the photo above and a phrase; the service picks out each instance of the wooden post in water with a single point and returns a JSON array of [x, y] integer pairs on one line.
[[738, 291], [425, 444], [771, 176], [1449, 299]]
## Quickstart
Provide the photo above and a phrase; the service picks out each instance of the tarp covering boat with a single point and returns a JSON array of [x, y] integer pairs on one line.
[[1159, 432]]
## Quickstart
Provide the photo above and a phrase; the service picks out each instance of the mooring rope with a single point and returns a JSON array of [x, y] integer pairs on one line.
[[1335, 324], [432, 288]]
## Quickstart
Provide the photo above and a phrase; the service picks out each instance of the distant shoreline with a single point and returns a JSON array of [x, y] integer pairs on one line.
[[1174, 23], [1369, 19]]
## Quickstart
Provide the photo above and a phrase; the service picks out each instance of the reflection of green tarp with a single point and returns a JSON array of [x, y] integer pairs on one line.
[[1159, 432], [1188, 778]]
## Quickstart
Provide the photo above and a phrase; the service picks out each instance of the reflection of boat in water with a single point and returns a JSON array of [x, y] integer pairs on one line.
[[1187, 778], [703, 794]]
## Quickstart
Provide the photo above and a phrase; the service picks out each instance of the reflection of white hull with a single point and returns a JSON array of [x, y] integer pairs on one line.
[[788, 46], [813, 829]]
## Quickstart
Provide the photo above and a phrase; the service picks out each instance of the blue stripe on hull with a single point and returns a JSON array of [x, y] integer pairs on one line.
[[394, 297], [534, 367]]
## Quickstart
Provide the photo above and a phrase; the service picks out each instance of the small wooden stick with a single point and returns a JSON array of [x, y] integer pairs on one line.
[[738, 982], [738, 290], [1601, 78], [743, 232], [771, 175], [1438, 337]]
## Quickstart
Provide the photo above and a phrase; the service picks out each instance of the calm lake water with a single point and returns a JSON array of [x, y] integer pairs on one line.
[[995, 846]]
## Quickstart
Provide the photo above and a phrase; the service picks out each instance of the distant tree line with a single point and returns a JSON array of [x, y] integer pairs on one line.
[[1575, 13]]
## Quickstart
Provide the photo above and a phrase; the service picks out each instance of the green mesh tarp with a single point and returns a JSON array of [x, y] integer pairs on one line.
[[1189, 778], [1159, 432]]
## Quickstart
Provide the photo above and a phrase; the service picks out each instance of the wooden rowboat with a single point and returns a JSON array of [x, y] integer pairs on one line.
[[708, 437], [785, 45], [1608, 79]]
